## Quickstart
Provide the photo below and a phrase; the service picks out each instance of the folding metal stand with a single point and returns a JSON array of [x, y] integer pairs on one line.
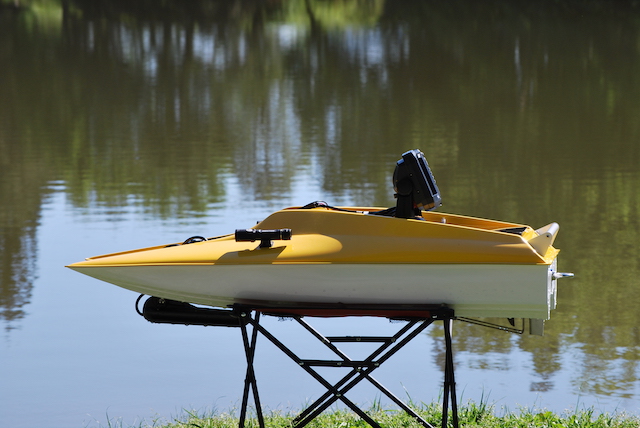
[[418, 319]]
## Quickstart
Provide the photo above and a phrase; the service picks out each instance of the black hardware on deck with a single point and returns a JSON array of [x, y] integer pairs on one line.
[[265, 237]]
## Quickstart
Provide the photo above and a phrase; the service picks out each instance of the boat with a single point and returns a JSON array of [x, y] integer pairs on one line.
[[323, 257]]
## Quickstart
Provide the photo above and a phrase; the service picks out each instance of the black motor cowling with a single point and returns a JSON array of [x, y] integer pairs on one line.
[[415, 185]]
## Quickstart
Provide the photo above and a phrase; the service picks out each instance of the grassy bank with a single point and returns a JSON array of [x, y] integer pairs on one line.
[[471, 416]]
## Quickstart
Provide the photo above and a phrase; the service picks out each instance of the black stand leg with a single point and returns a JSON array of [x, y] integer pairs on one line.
[[449, 379], [250, 378]]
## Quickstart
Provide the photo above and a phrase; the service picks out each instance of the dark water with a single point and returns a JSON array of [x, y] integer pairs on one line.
[[123, 126]]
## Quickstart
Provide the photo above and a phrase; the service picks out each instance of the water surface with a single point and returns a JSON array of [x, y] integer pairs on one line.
[[123, 127]]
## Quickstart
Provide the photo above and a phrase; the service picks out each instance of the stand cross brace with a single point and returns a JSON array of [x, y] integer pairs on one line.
[[360, 369]]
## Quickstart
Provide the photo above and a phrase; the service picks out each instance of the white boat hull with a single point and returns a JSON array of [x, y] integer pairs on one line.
[[472, 290]]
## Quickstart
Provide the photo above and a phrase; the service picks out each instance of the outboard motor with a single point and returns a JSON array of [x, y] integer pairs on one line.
[[414, 185]]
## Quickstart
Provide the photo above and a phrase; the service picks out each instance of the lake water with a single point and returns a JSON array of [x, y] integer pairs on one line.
[[123, 127]]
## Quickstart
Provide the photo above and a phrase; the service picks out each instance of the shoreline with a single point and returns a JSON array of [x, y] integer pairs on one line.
[[471, 414]]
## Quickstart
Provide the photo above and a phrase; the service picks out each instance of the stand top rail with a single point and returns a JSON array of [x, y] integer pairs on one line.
[[399, 312]]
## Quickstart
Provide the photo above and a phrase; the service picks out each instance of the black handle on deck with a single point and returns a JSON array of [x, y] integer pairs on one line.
[[264, 236]]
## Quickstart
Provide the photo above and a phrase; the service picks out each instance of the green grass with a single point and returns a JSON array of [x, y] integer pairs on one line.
[[472, 415]]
